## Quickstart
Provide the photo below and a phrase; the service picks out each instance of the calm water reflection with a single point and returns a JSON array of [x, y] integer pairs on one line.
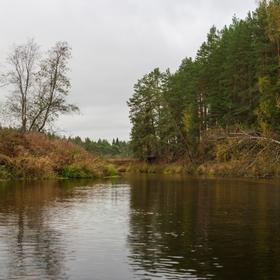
[[140, 228]]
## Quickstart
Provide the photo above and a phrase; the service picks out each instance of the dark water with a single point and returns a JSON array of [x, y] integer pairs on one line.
[[140, 228]]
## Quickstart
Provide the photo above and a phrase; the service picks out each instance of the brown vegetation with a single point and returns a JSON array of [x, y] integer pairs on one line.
[[35, 155], [243, 154]]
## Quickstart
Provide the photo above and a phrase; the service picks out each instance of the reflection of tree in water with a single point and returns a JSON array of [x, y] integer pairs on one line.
[[166, 231], [34, 246], [203, 228]]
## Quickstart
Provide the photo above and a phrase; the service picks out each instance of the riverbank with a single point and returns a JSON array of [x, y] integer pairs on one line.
[[38, 156], [240, 157], [207, 169]]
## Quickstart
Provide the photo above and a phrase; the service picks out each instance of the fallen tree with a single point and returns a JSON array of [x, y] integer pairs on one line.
[[242, 153]]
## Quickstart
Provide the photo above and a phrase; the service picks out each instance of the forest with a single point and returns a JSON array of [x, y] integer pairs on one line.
[[102, 147], [222, 105]]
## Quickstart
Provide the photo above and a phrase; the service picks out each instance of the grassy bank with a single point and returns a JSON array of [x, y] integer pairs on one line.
[[208, 169], [37, 156], [158, 168], [230, 157]]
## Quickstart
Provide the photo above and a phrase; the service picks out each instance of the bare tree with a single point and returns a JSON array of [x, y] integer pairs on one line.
[[21, 76], [40, 86]]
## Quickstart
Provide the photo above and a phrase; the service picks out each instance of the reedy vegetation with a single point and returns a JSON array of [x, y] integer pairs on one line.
[[225, 101]]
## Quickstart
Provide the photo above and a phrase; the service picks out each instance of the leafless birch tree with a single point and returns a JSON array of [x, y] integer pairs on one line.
[[39, 85]]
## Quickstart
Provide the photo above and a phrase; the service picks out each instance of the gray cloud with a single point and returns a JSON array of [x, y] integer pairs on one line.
[[114, 43]]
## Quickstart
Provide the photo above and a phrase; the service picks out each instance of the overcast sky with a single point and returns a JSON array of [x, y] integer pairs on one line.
[[114, 42]]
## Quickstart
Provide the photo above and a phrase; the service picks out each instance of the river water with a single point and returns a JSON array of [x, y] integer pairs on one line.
[[140, 227]]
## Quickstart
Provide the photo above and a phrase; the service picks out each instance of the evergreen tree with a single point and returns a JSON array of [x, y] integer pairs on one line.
[[234, 80]]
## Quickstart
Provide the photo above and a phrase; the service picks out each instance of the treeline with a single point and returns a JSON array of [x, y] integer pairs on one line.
[[233, 83], [117, 148]]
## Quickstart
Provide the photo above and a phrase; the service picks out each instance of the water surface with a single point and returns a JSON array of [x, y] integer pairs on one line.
[[140, 227]]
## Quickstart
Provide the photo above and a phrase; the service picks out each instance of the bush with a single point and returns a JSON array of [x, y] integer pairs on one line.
[[28, 166], [4, 172], [74, 172], [110, 171]]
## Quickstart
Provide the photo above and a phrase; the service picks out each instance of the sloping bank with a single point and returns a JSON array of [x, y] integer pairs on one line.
[[37, 156]]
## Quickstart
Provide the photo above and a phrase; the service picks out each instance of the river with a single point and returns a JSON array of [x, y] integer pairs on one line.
[[140, 227]]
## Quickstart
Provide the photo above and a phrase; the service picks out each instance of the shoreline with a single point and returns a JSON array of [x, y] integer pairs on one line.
[[204, 170]]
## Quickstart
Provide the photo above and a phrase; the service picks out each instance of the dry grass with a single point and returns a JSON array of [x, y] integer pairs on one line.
[[161, 168], [34, 155]]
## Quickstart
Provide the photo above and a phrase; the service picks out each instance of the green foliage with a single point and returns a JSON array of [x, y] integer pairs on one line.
[[117, 148], [74, 172], [234, 80], [110, 171], [154, 132], [4, 172]]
